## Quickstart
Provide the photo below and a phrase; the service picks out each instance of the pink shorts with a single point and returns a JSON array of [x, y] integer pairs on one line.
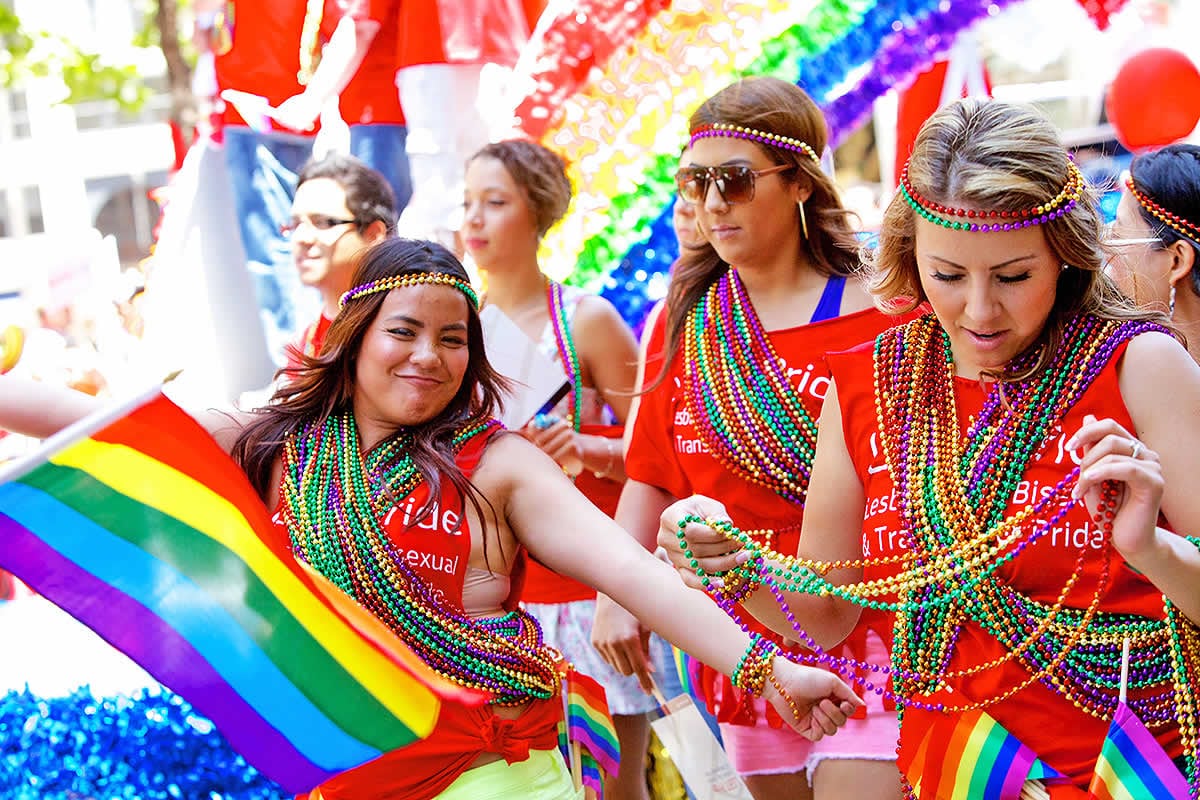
[[763, 750]]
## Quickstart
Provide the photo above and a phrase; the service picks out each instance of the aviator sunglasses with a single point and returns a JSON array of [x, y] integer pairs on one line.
[[734, 183]]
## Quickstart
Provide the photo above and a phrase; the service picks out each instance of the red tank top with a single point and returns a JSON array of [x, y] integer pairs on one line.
[[439, 553], [1036, 715], [667, 451]]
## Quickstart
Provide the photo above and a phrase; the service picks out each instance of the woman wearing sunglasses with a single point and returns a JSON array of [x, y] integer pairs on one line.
[[1155, 240], [735, 380], [1015, 478]]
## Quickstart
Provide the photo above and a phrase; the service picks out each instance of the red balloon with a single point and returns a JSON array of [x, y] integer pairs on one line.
[[1155, 99]]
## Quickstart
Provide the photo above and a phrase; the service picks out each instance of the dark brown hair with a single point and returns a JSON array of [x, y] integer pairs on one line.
[[325, 384]]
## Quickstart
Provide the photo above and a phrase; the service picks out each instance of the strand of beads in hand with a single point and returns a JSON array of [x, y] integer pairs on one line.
[[1045, 637]]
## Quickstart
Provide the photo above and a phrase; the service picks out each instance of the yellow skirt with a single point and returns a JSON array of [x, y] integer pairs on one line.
[[542, 776]]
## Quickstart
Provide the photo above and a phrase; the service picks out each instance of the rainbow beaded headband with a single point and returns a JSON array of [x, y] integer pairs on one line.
[[1006, 220], [410, 279], [762, 137], [1188, 229]]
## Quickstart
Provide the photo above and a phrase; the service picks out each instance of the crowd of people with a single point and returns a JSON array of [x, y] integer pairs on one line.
[[947, 472]]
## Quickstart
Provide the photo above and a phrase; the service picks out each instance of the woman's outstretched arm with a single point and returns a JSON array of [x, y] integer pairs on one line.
[[37, 409], [563, 530]]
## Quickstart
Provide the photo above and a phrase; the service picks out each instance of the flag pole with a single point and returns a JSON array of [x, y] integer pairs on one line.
[[1121, 696]]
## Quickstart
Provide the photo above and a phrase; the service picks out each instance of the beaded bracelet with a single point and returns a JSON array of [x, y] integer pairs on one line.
[[754, 667], [612, 459]]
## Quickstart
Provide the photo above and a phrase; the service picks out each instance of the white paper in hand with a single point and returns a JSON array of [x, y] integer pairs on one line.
[[697, 754], [536, 378]]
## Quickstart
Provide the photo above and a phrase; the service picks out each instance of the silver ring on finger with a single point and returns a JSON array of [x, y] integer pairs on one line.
[[1135, 448]]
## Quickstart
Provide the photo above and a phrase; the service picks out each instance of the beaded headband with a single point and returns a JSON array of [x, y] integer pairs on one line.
[[762, 137], [1005, 220], [410, 279], [1188, 229]]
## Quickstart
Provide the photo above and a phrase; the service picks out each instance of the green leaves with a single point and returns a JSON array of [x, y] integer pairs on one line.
[[27, 54]]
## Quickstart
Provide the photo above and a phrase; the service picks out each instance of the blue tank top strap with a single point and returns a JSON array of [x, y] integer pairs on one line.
[[830, 304]]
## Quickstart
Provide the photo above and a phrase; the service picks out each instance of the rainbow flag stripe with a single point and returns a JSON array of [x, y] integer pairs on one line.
[[589, 723], [138, 525], [971, 757], [689, 674], [1133, 765], [592, 778]]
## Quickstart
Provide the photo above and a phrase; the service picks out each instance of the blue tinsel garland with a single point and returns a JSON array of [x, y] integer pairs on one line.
[[150, 746]]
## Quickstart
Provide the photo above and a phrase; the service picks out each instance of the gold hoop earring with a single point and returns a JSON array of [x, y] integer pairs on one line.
[[803, 221]]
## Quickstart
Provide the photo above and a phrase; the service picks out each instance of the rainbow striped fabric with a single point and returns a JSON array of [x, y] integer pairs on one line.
[[1133, 765], [588, 721], [969, 756], [138, 525], [689, 675]]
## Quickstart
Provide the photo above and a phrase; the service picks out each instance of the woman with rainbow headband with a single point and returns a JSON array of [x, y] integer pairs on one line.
[[390, 476], [766, 292], [1155, 240], [515, 191], [955, 451]]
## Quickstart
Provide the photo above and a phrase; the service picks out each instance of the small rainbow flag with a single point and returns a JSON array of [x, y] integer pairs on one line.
[[689, 675], [137, 524], [969, 756], [1133, 765], [588, 720]]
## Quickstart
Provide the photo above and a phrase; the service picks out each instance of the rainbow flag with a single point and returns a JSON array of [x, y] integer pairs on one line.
[[689, 675], [971, 757], [588, 720], [137, 524], [1133, 765]]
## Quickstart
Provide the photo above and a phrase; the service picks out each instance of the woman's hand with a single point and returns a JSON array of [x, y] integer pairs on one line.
[[820, 702], [1111, 453], [711, 550], [558, 440], [623, 641]]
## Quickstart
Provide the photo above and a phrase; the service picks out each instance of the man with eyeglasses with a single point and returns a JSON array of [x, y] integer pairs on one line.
[[341, 207]]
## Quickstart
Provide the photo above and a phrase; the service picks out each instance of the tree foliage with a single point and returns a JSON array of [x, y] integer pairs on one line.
[[26, 54]]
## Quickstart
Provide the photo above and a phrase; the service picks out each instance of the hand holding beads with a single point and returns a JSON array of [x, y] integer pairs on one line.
[[697, 547], [1113, 454]]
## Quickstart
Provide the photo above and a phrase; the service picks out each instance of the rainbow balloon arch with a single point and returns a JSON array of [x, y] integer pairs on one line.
[[621, 77], [621, 113]]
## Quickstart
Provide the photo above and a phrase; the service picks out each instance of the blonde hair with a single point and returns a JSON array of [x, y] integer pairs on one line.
[[999, 157]]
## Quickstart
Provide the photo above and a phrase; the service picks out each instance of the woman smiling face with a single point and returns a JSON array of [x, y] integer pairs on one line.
[[412, 360], [992, 292]]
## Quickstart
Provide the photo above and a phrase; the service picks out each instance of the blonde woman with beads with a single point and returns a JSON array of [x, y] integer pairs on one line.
[[398, 412], [1008, 468], [1155, 240], [515, 191], [734, 383]]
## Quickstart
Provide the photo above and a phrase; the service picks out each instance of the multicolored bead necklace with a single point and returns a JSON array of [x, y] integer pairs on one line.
[[1177, 223], [737, 391], [566, 349], [1004, 220], [333, 504], [954, 492], [725, 129]]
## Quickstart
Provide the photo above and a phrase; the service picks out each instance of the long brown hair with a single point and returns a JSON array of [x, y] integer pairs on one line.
[[1000, 157], [325, 384], [773, 106]]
